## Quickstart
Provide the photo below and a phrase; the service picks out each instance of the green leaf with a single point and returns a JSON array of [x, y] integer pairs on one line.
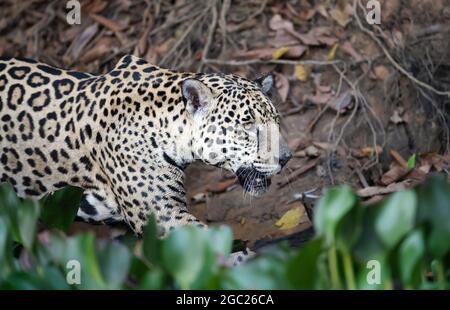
[[60, 208], [302, 269], [349, 229], [410, 253], [335, 204], [152, 244], [220, 240], [396, 217], [114, 259], [20, 216], [153, 280], [81, 248], [262, 273], [183, 254], [27, 215], [369, 246], [434, 211], [411, 161]]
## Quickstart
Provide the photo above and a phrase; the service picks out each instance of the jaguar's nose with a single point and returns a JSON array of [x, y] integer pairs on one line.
[[285, 158]]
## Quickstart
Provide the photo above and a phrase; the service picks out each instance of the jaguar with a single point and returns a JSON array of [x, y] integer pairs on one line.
[[126, 136]]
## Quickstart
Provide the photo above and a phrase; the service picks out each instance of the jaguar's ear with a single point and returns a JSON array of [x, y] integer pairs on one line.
[[265, 82], [197, 96]]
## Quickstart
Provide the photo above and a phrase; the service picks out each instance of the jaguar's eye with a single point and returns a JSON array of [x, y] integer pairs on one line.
[[249, 126]]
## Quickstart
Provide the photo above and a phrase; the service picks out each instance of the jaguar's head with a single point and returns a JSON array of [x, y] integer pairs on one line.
[[236, 127]]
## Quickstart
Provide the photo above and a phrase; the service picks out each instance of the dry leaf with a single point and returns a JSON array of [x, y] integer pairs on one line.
[[282, 38], [332, 53], [398, 158], [340, 17], [295, 51], [108, 23], [394, 174], [319, 98], [80, 43], [380, 190], [370, 150], [312, 151], [342, 102], [348, 48], [301, 72], [279, 52], [222, 186], [291, 218], [322, 10], [98, 51], [282, 84], [278, 23], [396, 118], [381, 72]]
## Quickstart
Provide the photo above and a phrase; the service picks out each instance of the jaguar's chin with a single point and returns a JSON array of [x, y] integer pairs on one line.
[[252, 181]]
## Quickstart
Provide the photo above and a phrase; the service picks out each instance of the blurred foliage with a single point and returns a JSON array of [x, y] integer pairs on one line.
[[407, 237]]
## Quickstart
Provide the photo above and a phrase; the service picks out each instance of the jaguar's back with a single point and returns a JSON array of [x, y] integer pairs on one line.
[[37, 116]]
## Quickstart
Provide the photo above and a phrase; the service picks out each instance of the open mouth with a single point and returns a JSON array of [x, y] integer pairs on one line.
[[252, 181]]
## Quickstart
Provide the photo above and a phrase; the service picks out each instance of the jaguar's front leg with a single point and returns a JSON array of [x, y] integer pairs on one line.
[[183, 217], [99, 206], [166, 199]]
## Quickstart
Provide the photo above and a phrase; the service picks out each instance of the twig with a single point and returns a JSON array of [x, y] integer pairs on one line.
[[212, 30], [271, 61], [391, 59], [223, 23], [296, 174], [259, 11], [182, 37]]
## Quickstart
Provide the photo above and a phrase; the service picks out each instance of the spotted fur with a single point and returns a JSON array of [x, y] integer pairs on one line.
[[126, 136]]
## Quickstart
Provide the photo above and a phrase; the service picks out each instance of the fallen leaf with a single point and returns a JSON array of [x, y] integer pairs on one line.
[[80, 43], [342, 102], [291, 218], [94, 7], [341, 17], [282, 38], [309, 38], [398, 158], [295, 51], [278, 23], [301, 72], [330, 41], [312, 151], [297, 173], [322, 10], [108, 23], [282, 84], [221, 186], [320, 98], [370, 150], [332, 53], [380, 190], [295, 143], [279, 52], [98, 51], [381, 72], [301, 153], [396, 118], [394, 174], [348, 48], [373, 200], [199, 198]]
